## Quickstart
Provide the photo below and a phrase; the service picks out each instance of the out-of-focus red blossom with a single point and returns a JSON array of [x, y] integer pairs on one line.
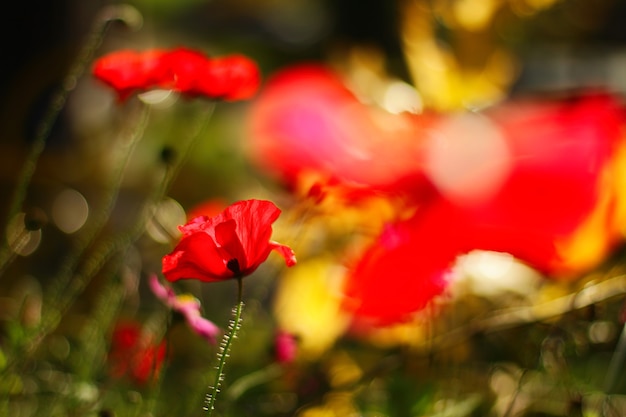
[[232, 244], [135, 354], [559, 209], [305, 120], [401, 273], [209, 208], [285, 347], [127, 71], [236, 78], [186, 71]]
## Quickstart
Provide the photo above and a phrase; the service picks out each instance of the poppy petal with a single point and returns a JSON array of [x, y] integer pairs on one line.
[[284, 251], [196, 256], [230, 246]]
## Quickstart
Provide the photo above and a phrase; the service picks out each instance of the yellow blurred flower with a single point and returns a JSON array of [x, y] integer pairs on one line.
[[308, 305]]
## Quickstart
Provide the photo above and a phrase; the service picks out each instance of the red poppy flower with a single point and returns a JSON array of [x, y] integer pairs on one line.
[[233, 243], [234, 77], [402, 271], [306, 121], [134, 354], [184, 70], [127, 71], [209, 208], [181, 69], [559, 208]]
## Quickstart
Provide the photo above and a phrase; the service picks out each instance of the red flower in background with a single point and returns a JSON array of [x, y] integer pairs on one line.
[[128, 71], [209, 208], [233, 77], [306, 121], [402, 271], [135, 354], [558, 208], [233, 243], [186, 71]]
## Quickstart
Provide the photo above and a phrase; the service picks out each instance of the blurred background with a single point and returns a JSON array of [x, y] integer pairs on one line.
[[447, 56]]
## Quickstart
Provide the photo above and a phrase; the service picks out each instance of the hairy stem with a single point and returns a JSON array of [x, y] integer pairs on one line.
[[224, 350]]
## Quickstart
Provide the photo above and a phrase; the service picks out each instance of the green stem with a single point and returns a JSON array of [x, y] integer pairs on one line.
[[70, 262], [127, 14], [109, 247], [225, 345], [617, 363]]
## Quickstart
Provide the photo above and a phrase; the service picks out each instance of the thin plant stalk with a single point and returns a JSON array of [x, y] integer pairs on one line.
[[616, 365], [125, 151], [124, 13], [224, 353], [109, 247]]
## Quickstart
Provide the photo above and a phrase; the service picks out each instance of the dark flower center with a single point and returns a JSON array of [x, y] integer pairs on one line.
[[233, 265]]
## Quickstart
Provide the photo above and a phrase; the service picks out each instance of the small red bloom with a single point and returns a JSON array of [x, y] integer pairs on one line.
[[207, 208], [234, 77], [182, 67], [134, 354], [127, 71], [233, 243], [184, 70]]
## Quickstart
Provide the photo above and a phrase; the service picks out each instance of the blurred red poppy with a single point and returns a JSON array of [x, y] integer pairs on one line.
[[232, 244], [558, 207], [306, 121], [209, 208], [135, 354], [402, 271], [128, 71], [234, 77], [184, 70]]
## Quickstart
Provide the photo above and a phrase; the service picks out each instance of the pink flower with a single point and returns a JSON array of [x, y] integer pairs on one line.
[[232, 244], [306, 121], [186, 305], [285, 347]]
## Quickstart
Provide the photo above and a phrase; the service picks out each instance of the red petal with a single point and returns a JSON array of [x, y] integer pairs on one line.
[[196, 256], [403, 271], [184, 68], [127, 71], [284, 251], [254, 227], [230, 246], [231, 78]]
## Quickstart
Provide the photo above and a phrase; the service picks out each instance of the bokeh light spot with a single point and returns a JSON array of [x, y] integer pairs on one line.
[[159, 98], [70, 211], [489, 274], [602, 331], [401, 97], [467, 158], [168, 215], [22, 241]]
